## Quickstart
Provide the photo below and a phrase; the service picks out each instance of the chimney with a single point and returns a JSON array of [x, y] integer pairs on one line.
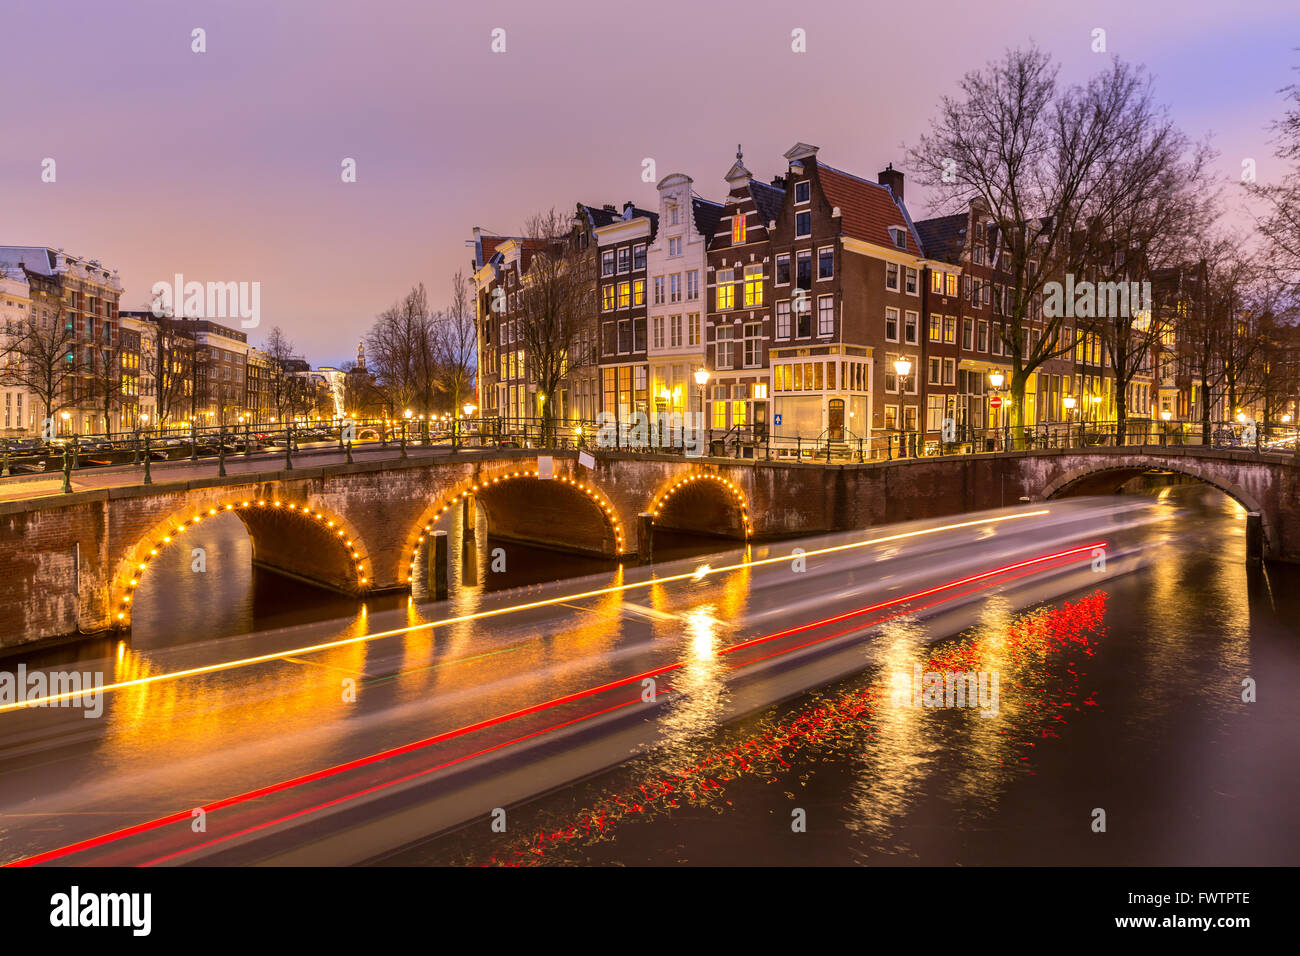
[[609, 207], [892, 178], [778, 182]]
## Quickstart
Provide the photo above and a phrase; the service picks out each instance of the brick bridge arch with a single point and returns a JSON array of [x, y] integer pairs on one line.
[[517, 519], [1259, 486], [1107, 477], [67, 560], [702, 502], [277, 529]]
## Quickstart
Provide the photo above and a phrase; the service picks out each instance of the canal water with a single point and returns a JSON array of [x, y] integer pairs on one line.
[[1122, 739], [1121, 706]]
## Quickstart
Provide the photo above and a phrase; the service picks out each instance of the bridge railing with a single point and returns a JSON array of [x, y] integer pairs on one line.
[[757, 441]]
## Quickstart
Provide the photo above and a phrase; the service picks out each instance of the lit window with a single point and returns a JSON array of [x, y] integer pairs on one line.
[[952, 283], [753, 286], [624, 295], [726, 291], [607, 298], [738, 229]]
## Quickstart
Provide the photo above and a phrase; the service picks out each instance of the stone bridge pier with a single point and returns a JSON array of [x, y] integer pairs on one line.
[[73, 563]]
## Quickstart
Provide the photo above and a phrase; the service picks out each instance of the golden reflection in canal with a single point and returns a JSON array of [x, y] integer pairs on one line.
[[218, 711]]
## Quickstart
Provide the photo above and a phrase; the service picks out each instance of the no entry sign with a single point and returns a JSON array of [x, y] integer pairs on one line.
[[995, 402]]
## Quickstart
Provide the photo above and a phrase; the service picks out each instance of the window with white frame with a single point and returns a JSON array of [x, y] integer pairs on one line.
[[675, 287], [891, 325], [693, 285], [675, 331], [753, 344], [825, 263], [891, 276], [693, 329], [659, 290], [657, 332], [783, 319], [802, 192], [826, 315], [723, 338]]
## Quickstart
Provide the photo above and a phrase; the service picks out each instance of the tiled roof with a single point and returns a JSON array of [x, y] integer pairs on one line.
[[868, 209], [767, 199], [706, 215], [942, 238], [598, 216]]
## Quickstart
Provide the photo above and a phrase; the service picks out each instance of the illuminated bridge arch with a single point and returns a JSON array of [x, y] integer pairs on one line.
[[705, 503], [487, 493], [323, 549]]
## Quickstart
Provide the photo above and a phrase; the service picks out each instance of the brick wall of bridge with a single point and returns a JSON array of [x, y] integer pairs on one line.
[[66, 560]]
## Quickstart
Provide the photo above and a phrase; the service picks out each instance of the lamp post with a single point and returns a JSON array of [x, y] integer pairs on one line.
[[996, 378], [406, 417], [1068, 402], [702, 380], [903, 367], [1165, 415]]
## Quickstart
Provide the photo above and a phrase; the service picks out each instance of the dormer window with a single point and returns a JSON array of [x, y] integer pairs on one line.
[[899, 235], [673, 217]]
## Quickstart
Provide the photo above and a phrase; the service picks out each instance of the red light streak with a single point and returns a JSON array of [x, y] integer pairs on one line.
[[187, 815]]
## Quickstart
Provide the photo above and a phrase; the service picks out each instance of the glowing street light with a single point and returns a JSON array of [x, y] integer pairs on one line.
[[903, 367], [996, 379], [469, 408]]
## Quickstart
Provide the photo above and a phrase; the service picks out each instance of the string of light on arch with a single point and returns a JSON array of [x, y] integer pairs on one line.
[[305, 511], [599, 499], [732, 489]]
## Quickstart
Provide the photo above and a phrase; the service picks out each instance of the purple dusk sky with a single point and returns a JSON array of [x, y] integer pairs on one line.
[[225, 166]]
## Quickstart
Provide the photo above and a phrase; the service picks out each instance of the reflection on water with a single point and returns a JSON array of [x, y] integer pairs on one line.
[[189, 598], [1128, 699]]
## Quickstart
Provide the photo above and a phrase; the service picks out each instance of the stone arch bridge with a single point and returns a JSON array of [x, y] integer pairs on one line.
[[71, 563]]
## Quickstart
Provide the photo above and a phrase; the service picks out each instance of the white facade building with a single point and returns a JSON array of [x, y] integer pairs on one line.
[[676, 265]]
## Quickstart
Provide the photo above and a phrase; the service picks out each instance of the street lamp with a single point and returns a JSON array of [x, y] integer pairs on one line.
[[469, 408], [702, 380], [903, 367]]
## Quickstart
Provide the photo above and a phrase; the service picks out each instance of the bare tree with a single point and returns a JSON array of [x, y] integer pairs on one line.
[[1279, 222], [1173, 205], [455, 339], [280, 351], [176, 350], [104, 379], [43, 360], [1044, 160], [556, 301], [399, 350]]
